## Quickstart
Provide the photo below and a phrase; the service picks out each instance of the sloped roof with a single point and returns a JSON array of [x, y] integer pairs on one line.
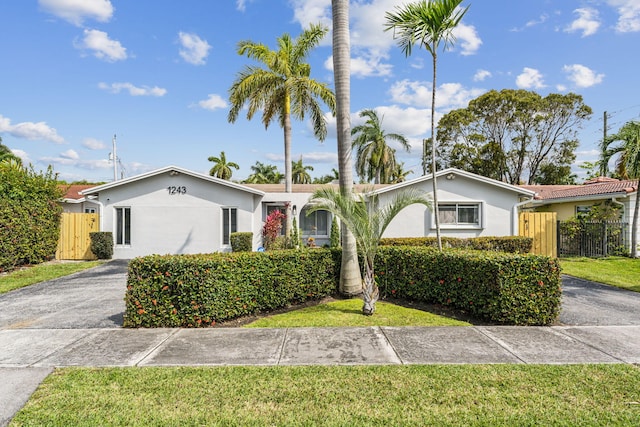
[[606, 187], [173, 170], [72, 192], [310, 188]]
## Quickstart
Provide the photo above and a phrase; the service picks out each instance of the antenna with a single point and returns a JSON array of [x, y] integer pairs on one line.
[[115, 159]]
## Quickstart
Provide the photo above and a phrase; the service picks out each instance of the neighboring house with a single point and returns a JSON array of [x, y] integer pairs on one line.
[[571, 200], [74, 202], [176, 211]]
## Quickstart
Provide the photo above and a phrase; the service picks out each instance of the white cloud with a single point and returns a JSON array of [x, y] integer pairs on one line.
[[93, 144], [530, 78], [308, 12], [319, 157], [194, 49], [587, 22], [30, 130], [102, 46], [76, 11], [467, 38], [23, 155], [582, 76], [481, 75], [629, 11], [133, 90], [368, 65], [213, 102], [418, 94], [70, 154]]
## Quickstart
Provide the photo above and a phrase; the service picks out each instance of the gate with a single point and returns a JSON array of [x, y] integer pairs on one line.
[[542, 228], [75, 242], [592, 239]]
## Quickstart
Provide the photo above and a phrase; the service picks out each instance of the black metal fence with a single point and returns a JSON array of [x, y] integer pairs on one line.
[[592, 239]]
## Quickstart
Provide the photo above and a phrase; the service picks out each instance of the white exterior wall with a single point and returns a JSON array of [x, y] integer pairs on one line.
[[164, 223], [496, 207]]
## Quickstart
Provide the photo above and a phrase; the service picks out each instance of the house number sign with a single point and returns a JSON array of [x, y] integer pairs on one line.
[[173, 190]]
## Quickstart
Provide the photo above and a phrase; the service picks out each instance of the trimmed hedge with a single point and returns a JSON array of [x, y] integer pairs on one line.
[[504, 288], [201, 290], [195, 291], [102, 244], [511, 244], [241, 241]]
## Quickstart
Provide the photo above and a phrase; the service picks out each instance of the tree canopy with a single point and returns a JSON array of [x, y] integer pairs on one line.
[[515, 136]]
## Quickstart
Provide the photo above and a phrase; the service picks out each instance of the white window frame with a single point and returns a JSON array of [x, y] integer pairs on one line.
[[89, 210], [461, 225], [122, 228], [328, 219], [228, 213]]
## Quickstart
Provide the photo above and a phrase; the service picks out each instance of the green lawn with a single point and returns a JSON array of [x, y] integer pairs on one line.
[[349, 313], [39, 273], [615, 271], [412, 395]]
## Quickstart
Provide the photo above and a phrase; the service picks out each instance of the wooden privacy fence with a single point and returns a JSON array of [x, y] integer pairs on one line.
[[542, 227], [75, 242]]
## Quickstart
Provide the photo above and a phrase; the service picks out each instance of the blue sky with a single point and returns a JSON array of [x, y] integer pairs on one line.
[[156, 73]]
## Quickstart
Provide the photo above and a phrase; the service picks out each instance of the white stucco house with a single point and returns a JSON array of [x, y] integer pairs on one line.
[[176, 211]]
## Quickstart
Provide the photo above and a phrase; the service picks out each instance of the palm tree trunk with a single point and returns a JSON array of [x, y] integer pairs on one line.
[[287, 164], [634, 224], [433, 151], [350, 280], [370, 291]]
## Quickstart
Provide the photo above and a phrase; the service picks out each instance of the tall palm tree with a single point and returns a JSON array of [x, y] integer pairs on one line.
[[350, 279], [299, 172], [222, 169], [264, 174], [282, 89], [367, 221], [397, 174], [628, 167], [427, 23], [373, 154]]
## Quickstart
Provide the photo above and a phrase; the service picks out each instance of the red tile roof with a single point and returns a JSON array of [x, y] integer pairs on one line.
[[595, 187], [71, 191]]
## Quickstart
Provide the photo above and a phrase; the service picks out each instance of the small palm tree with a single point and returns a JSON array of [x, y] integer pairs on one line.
[[367, 221], [222, 168], [628, 167], [264, 174], [397, 175], [299, 172], [373, 154], [427, 23]]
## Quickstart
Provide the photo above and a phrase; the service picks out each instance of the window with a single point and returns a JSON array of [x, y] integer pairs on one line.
[[459, 214], [583, 210], [89, 210], [271, 209], [123, 226], [229, 224], [315, 224]]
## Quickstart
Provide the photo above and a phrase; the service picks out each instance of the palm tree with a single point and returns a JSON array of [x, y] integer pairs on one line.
[[282, 89], [299, 173], [627, 167], [367, 221], [397, 175], [427, 23], [350, 279], [264, 174], [374, 155], [6, 155], [222, 168]]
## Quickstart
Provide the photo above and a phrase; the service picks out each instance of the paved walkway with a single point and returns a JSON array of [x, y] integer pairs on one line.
[[75, 322]]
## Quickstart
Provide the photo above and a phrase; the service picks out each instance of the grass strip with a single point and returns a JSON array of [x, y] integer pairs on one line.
[[41, 272], [348, 312], [413, 395], [615, 271]]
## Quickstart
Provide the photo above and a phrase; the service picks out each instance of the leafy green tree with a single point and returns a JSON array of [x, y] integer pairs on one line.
[[6, 155], [222, 169], [626, 144], [300, 174], [515, 136], [375, 159], [350, 279], [367, 221], [282, 89], [427, 23], [264, 174]]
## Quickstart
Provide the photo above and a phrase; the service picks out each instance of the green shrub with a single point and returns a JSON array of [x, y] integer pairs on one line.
[[334, 238], [201, 290], [505, 288], [513, 244], [29, 215], [241, 241], [102, 244]]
